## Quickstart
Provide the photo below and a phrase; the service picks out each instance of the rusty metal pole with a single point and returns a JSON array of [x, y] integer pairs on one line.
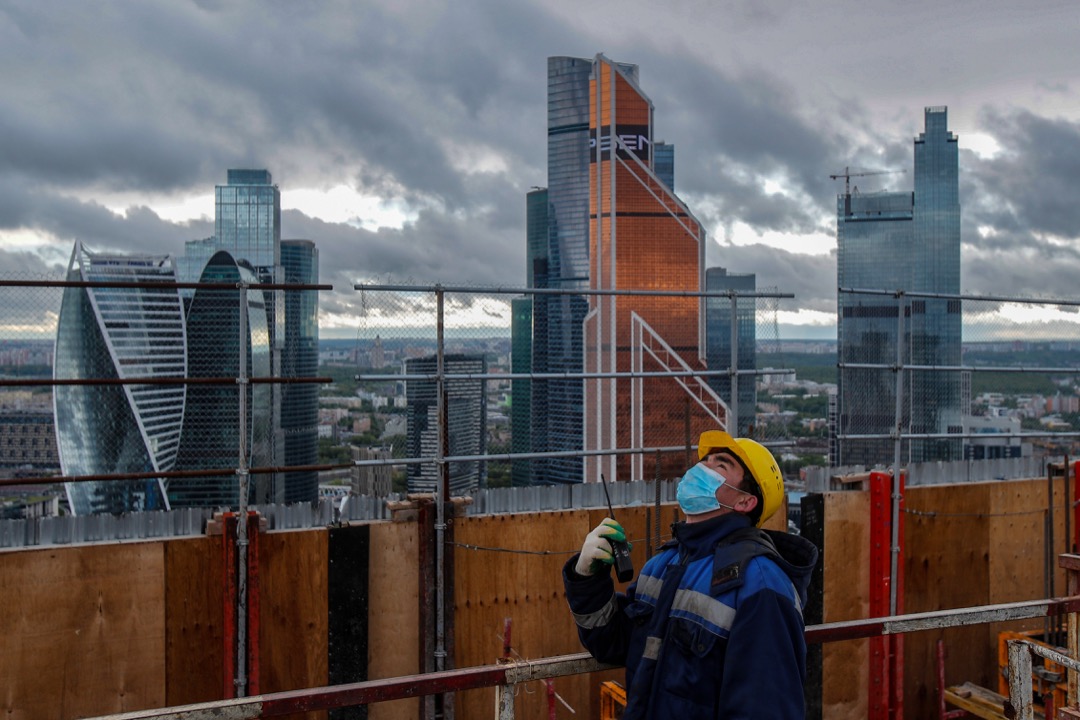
[[442, 496], [241, 520], [897, 450], [733, 368]]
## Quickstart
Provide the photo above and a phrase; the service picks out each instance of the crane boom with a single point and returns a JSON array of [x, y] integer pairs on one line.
[[847, 175]]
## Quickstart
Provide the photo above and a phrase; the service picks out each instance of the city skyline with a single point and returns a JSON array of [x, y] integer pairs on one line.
[[422, 161]]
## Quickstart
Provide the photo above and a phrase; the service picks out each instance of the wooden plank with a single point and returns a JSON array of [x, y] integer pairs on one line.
[[293, 623], [977, 700], [947, 566], [194, 650], [393, 618], [846, 572], [84, 630]]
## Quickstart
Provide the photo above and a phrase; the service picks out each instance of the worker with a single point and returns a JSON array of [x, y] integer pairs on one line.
[[713, 626]]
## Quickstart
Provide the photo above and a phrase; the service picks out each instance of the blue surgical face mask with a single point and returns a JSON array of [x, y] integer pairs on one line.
[[697, 490]]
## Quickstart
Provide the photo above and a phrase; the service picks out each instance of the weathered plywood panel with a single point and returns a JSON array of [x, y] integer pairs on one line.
[[846, 564], [394, 613], [194, 643], [293, 614], [84, 630], [947, 566]]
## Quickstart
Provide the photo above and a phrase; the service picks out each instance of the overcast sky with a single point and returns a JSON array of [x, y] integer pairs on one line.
[[404, 134]]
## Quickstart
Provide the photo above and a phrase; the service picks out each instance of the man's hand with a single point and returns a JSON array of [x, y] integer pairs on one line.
[[596, 551]]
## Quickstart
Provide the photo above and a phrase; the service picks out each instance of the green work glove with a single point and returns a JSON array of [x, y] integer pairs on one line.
[[596, 551]]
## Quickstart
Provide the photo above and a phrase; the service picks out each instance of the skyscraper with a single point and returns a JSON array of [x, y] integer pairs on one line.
[[248, 227], [217, 318], [300, 359], [466, 422], [557, 319], [719, 319], [642, 238], [910, 242], [119, 333]]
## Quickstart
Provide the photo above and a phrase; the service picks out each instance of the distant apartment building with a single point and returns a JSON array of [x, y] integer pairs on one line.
[[731, 341], [902, 241], [465, 422], [28, 443], [375, 480]]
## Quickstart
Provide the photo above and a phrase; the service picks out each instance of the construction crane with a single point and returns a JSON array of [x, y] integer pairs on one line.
[[847, 175]]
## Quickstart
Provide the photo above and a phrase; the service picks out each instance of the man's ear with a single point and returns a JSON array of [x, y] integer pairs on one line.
[[747, 503]]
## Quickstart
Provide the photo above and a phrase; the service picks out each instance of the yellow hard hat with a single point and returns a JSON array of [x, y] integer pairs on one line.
[[756, 459]]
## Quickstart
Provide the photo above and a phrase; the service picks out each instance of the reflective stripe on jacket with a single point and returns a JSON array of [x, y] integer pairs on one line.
[[709, 629]]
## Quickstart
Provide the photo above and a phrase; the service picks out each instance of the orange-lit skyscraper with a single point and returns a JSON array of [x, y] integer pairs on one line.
[[642, 239]]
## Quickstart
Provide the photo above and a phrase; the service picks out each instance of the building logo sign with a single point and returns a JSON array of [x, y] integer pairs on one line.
[[632, 139]]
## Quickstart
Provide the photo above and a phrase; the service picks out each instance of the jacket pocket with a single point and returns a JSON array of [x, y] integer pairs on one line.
[[639, 612], [692, 639]]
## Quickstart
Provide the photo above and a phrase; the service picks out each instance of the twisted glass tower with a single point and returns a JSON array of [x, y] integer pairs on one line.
[[119, 334]]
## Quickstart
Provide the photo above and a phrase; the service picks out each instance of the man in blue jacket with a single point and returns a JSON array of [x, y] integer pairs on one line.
[[712, 627]]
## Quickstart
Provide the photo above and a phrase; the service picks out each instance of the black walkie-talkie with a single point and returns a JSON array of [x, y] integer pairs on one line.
[[624, 566]]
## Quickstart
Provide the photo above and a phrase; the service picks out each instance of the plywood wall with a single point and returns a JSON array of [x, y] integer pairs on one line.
[[846, 563], [83, 632], [195, 649], [393, 638], [110, 628]]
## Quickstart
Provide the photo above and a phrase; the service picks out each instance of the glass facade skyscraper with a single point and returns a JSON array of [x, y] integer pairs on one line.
[[211, 434], [910, 242], [642, 238], [718, 319], [248, 227], [300, 359], [557, 342], [123, 334], [565, 416]]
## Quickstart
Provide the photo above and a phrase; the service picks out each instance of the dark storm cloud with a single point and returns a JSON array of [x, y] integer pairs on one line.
[[810, 278], [442, 108], [1021, 221], [68, 220]]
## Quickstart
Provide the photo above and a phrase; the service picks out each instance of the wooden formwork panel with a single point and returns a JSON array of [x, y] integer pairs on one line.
[[293, 616], [947, 566], [194, 639], [513, 569], [846, 564], [393, 613], [84, 630]]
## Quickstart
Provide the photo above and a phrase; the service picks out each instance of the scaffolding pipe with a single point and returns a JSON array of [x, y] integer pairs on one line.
[[733, 368], [894, 542], [241, 520], [442, 493]]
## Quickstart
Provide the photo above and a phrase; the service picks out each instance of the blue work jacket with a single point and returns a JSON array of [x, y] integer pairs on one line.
[[711, 628]]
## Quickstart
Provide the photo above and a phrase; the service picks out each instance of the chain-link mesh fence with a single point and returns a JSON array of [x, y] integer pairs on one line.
[[132, 389], [929, 377], [531, 393]]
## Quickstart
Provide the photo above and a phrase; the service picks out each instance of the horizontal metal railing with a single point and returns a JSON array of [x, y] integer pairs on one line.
[[504, 675]]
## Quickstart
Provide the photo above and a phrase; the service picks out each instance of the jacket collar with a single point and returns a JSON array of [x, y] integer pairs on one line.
[[698, 539]]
